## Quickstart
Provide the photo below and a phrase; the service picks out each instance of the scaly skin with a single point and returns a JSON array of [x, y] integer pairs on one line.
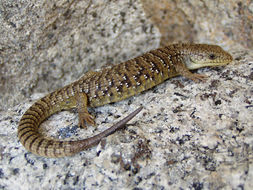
[[111, 85]]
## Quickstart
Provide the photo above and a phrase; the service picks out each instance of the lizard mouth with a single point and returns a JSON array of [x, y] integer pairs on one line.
[[218, 64], [194, 64], [197, 65]]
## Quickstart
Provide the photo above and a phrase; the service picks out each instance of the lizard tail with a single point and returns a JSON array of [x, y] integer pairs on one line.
[[33, 141]]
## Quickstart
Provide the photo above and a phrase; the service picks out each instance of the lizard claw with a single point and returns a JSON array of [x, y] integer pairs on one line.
[[198, 77], [85, 117]]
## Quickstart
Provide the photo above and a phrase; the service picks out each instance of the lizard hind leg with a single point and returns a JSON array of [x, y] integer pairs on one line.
[[83, 114]]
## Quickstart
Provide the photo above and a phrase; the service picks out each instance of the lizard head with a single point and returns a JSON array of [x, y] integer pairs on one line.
[[203, 55]]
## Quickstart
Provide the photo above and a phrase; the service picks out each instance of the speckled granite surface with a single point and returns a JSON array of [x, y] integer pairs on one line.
[[189, 136], [227, 22]]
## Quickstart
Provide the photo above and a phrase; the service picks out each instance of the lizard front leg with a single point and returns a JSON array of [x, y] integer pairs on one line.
[[83, 114], [181, 69]]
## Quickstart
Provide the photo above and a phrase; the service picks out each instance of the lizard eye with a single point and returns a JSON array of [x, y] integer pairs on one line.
[[212, 56]]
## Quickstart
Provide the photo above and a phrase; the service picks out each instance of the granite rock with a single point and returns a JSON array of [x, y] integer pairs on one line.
[[48, 44], [189, 135]]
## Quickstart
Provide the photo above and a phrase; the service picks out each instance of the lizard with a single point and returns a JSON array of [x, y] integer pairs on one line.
[[112, 84]]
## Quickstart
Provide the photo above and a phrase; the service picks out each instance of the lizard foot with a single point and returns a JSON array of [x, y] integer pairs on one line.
[[85, 117], [198, 77]]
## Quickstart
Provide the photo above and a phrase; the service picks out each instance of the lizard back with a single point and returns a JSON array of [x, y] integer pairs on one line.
[[141, 73]]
